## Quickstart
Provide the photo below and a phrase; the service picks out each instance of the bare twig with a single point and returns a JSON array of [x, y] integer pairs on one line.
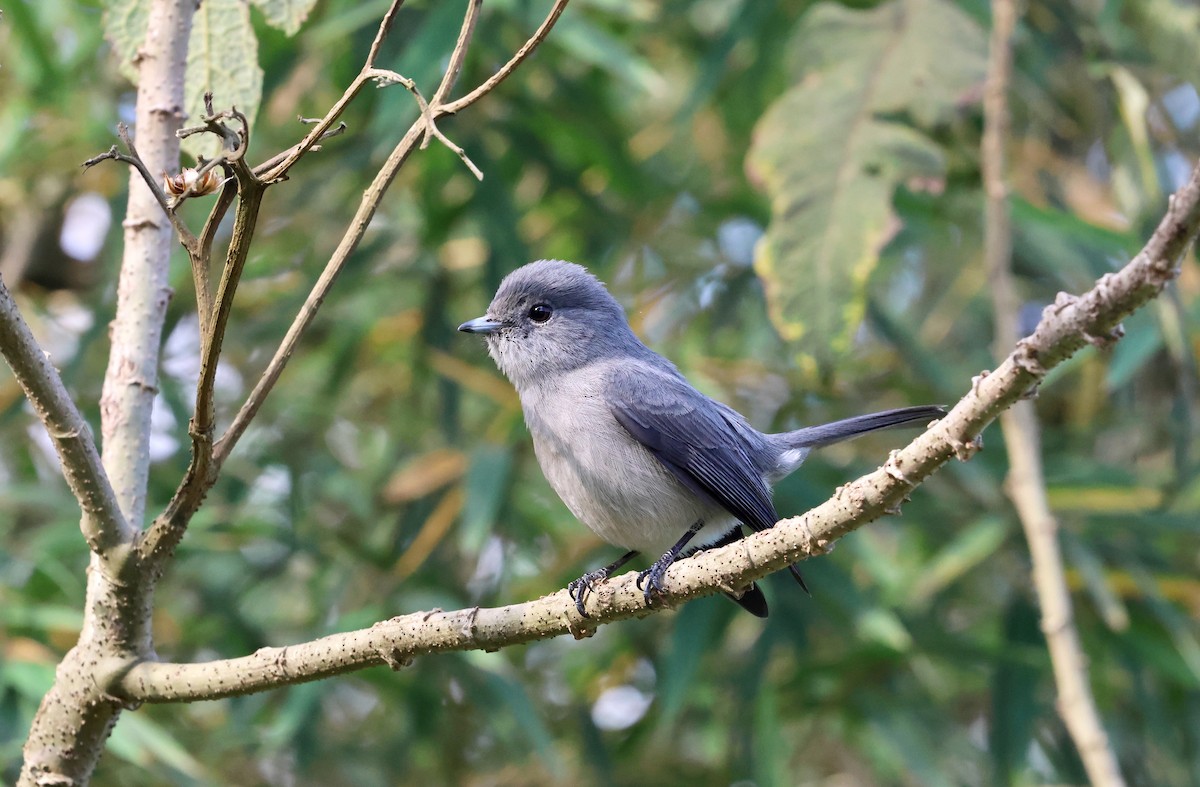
[[508, 68], [385, 27], [134, 160], [167, 529], [1065, 327], [103, 525], [383, 78], [276, 168], [459, 55], [349, 241], [1026, 484]]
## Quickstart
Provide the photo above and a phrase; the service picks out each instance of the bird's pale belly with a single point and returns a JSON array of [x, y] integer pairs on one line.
[[619, 490]]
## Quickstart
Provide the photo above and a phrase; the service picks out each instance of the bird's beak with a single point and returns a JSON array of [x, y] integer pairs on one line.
[[481, 325]]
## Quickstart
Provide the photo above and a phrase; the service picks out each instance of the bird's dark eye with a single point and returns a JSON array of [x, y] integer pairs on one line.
[[540, 312]]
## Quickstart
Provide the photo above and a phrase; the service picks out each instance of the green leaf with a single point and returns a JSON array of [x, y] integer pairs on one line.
[[831, 152], [486, 482], [125, 29], [286, 15], [223, 60], [966, 550], [1014, 693]]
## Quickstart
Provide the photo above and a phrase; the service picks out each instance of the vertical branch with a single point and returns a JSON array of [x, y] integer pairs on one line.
[[75, 717], [1025, 484], [131, 380]]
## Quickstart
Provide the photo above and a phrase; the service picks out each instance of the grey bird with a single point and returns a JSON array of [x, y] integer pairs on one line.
[[641, 457]]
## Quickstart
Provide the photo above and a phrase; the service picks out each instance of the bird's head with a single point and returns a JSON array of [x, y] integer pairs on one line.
[[550, 317]]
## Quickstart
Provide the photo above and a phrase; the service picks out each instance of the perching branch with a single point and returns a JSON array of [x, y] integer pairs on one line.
[[1066, 326], [103, 525], [1026, 485]]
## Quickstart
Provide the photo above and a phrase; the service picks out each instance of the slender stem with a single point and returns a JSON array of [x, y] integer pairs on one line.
[[508, 68], [67, 735], [358, 227], [366, 210], [459, 55], [1026, 484], [385, 27]]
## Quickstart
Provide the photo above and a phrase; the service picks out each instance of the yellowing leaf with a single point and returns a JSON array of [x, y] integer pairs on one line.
[[831, 151], [423, 475]]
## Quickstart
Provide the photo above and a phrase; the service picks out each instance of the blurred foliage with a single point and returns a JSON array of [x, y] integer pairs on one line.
[[390, 471]]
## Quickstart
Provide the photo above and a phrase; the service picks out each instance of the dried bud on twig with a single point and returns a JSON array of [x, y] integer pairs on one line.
[[190, 182]]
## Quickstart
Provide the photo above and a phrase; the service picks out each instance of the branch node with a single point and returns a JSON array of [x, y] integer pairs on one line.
[[892, 468], [976, 380], [1025, 358], [963, 451], [1106, 340], [396, 659]]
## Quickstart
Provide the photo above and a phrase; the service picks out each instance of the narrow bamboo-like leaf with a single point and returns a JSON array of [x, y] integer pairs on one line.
[[1014, 685], [486, 482], [143, 741], [693, 636], [966, 550]]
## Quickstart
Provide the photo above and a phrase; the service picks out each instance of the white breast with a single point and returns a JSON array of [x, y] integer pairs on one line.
[[609, 480]]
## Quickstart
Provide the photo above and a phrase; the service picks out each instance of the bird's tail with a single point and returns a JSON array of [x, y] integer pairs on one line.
[[835, 432]]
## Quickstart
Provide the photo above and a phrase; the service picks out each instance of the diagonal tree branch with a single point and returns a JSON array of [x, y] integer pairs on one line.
[[1026, 484], [103, 525], [1066, 326]]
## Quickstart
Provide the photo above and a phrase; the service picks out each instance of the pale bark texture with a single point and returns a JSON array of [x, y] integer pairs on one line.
[[77, 714]]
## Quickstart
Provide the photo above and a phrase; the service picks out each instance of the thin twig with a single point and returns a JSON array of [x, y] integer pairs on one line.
[[459, 55], [383, 78], [276, 168], [347, 245], [508, 68], [1026, 485], [385, 27], [103, 525], [168, 528], [1065, 327], [134, 160], [281, 156]]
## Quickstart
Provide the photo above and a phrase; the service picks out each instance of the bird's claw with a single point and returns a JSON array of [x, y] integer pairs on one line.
[[578, 588], [650, 581]]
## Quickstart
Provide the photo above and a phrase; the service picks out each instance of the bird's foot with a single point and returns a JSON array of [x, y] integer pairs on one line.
[[578, 588], [651, 580]]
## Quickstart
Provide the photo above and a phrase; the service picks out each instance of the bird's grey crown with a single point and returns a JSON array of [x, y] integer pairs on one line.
[[558, 283]]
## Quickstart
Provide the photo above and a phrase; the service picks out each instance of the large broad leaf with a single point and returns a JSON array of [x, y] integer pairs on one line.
[[831, 151], [222, 58], [287, 15]]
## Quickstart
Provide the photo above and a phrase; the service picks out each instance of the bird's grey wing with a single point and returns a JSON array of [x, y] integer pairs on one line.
[[690, 436]]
